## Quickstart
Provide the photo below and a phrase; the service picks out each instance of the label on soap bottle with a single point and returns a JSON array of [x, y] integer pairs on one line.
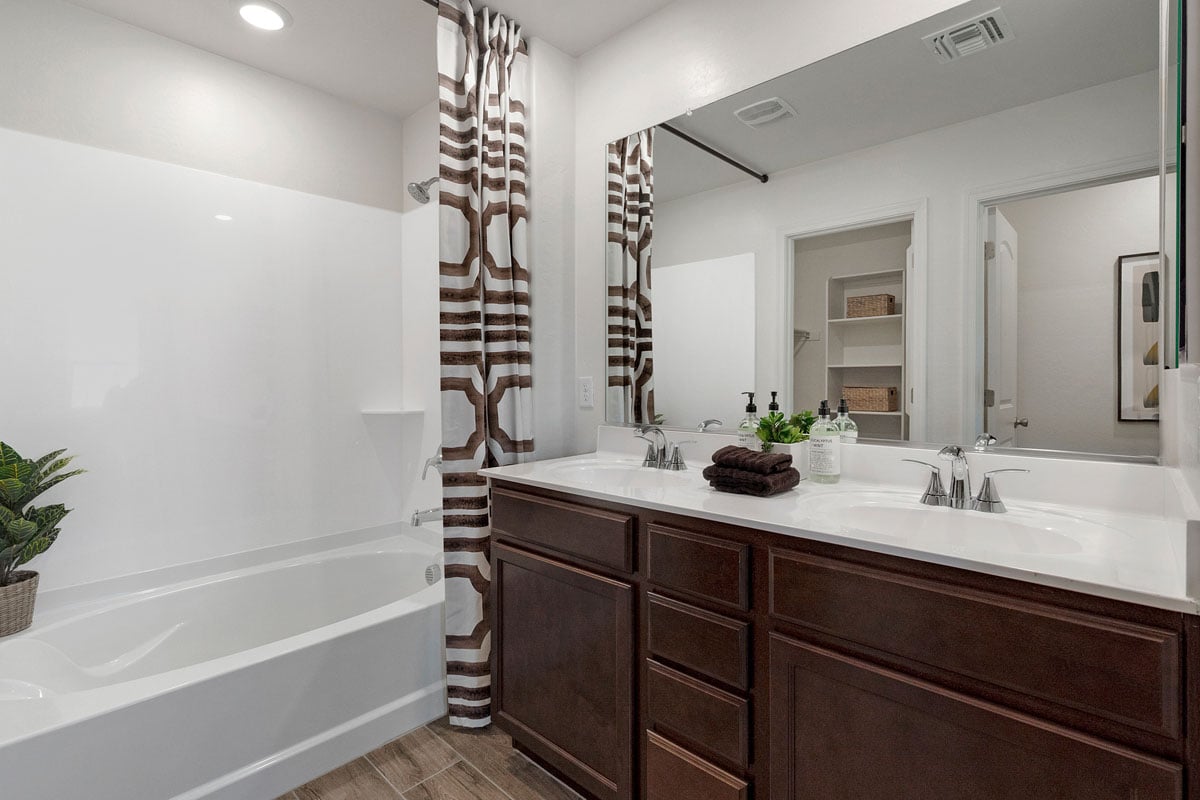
[[825, 454]]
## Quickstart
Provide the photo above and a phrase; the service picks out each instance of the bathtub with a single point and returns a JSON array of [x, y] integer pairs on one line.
[[241, 677]]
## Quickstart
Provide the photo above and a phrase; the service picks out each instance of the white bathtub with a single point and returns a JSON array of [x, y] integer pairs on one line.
[[271, 669]]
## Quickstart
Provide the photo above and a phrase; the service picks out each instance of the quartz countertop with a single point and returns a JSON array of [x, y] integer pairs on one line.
[[1133, 556]]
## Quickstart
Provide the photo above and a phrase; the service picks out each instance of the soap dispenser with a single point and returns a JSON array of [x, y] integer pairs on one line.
[[847, 426], [748, 427], [774, 404], [825, 449]]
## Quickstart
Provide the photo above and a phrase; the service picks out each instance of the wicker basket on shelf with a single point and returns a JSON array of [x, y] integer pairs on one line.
[[870, 305], [871, 398]]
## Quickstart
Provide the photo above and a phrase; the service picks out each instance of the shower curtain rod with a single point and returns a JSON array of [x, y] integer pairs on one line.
[[762, 176]]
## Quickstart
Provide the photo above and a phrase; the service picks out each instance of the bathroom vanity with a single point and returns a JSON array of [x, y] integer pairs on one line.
[[643, 649]]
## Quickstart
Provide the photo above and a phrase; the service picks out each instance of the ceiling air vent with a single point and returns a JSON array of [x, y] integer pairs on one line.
[[970, 37], [758, 114]]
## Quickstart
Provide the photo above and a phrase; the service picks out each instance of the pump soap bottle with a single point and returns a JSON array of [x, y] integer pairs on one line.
[[748, 427], [774, 404], [847, 426], [825, 449]]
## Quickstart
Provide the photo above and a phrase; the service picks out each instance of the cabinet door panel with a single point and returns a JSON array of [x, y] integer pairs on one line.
[[564, 666], [1108, 668], [844, 728]]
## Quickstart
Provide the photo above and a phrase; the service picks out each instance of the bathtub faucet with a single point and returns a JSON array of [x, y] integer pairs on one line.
[[434, 461], [428, 515]]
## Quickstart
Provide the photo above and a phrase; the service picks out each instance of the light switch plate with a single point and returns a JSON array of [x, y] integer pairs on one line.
[[587, 392]]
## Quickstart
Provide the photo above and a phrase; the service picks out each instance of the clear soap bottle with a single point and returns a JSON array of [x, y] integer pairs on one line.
[[847, 426], [824, 449], [748, 427]]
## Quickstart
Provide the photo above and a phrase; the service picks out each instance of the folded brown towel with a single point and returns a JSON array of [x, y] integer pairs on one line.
[[752, 461], [727, 479]]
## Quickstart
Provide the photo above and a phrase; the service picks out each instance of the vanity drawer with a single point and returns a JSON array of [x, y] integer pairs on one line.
[[673, 773], [1112, 669], [712, 569], [714, 720], [715, 646], [601, 537]]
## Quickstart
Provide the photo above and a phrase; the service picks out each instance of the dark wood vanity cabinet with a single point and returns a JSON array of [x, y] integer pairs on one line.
[[641, 654]]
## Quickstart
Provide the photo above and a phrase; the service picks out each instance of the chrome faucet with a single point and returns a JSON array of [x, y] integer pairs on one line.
[[959, 495], [935, 493], [656, 451], [708, 423], [675, 462], [988, 500], [434, 461], [425, 515], [984, 442]]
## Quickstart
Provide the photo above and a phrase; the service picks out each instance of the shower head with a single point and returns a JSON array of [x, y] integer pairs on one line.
[[420, 191]]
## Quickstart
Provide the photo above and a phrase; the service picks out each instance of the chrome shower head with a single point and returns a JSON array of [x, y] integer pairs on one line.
[[420, 191]]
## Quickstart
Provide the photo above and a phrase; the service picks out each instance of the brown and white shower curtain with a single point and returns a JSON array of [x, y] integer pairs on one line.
[[629, 395], [487, 417]]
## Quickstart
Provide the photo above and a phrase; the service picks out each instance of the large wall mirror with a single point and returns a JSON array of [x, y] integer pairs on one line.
[[966, 225]]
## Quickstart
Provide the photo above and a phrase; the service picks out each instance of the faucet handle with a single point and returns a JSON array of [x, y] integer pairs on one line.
[[984, 441], [935, 493], [988, 499], [651, 458], [676, 462], [708, 423]]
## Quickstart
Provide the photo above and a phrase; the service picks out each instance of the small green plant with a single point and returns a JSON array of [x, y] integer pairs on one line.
[[775, 428], [27, 531], [803, 421]]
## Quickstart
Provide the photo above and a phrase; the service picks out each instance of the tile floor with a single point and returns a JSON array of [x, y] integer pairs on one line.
[[438, 762]]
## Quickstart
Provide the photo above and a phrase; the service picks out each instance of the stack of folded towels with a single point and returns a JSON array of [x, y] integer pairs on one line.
[[744, 471]]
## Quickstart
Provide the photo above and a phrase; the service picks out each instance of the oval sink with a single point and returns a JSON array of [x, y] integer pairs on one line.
[[909, 523], [617, 475]]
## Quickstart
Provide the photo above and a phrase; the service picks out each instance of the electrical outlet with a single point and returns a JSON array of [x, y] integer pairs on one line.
[[587, 393]]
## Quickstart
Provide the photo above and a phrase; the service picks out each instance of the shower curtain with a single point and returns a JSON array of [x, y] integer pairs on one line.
[[487, 417], [629, 395]]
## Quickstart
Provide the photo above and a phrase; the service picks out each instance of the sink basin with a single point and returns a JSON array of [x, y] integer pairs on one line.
[[617, 475], [908, 523]]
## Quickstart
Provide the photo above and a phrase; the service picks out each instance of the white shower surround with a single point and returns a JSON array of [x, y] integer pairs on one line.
[[239, 678]]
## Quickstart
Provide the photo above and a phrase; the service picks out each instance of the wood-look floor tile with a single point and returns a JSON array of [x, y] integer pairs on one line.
[[358, 780], [459, 782], [490, 750], [411, 759]]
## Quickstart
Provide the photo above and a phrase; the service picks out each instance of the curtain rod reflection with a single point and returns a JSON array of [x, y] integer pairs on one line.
[[669, 128]]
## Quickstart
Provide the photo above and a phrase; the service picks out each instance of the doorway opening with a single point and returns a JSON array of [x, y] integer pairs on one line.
[[1057, 373]]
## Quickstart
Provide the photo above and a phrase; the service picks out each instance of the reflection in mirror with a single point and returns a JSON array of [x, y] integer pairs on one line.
[[939, 238]]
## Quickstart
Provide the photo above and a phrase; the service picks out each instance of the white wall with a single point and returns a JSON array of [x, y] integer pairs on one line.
[[1066, 311], [685, 55], [72, 74], [944, 166], [209, 375], [704, 315]]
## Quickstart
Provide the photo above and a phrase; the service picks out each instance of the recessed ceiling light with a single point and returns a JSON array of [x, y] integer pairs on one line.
[[265, 15], [224, 218]]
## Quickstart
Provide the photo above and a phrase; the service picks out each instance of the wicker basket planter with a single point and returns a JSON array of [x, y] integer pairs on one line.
[[871, 398], [16, 603], [870, 305]]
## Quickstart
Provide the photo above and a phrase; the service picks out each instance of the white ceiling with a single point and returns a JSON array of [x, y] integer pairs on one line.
[[379, 53], [893, 87]]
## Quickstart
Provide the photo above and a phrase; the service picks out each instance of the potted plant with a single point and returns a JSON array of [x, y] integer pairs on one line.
[[787, 434], [26, 530]]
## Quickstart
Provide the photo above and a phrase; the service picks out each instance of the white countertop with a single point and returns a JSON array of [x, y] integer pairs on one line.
[[1136, 556]]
